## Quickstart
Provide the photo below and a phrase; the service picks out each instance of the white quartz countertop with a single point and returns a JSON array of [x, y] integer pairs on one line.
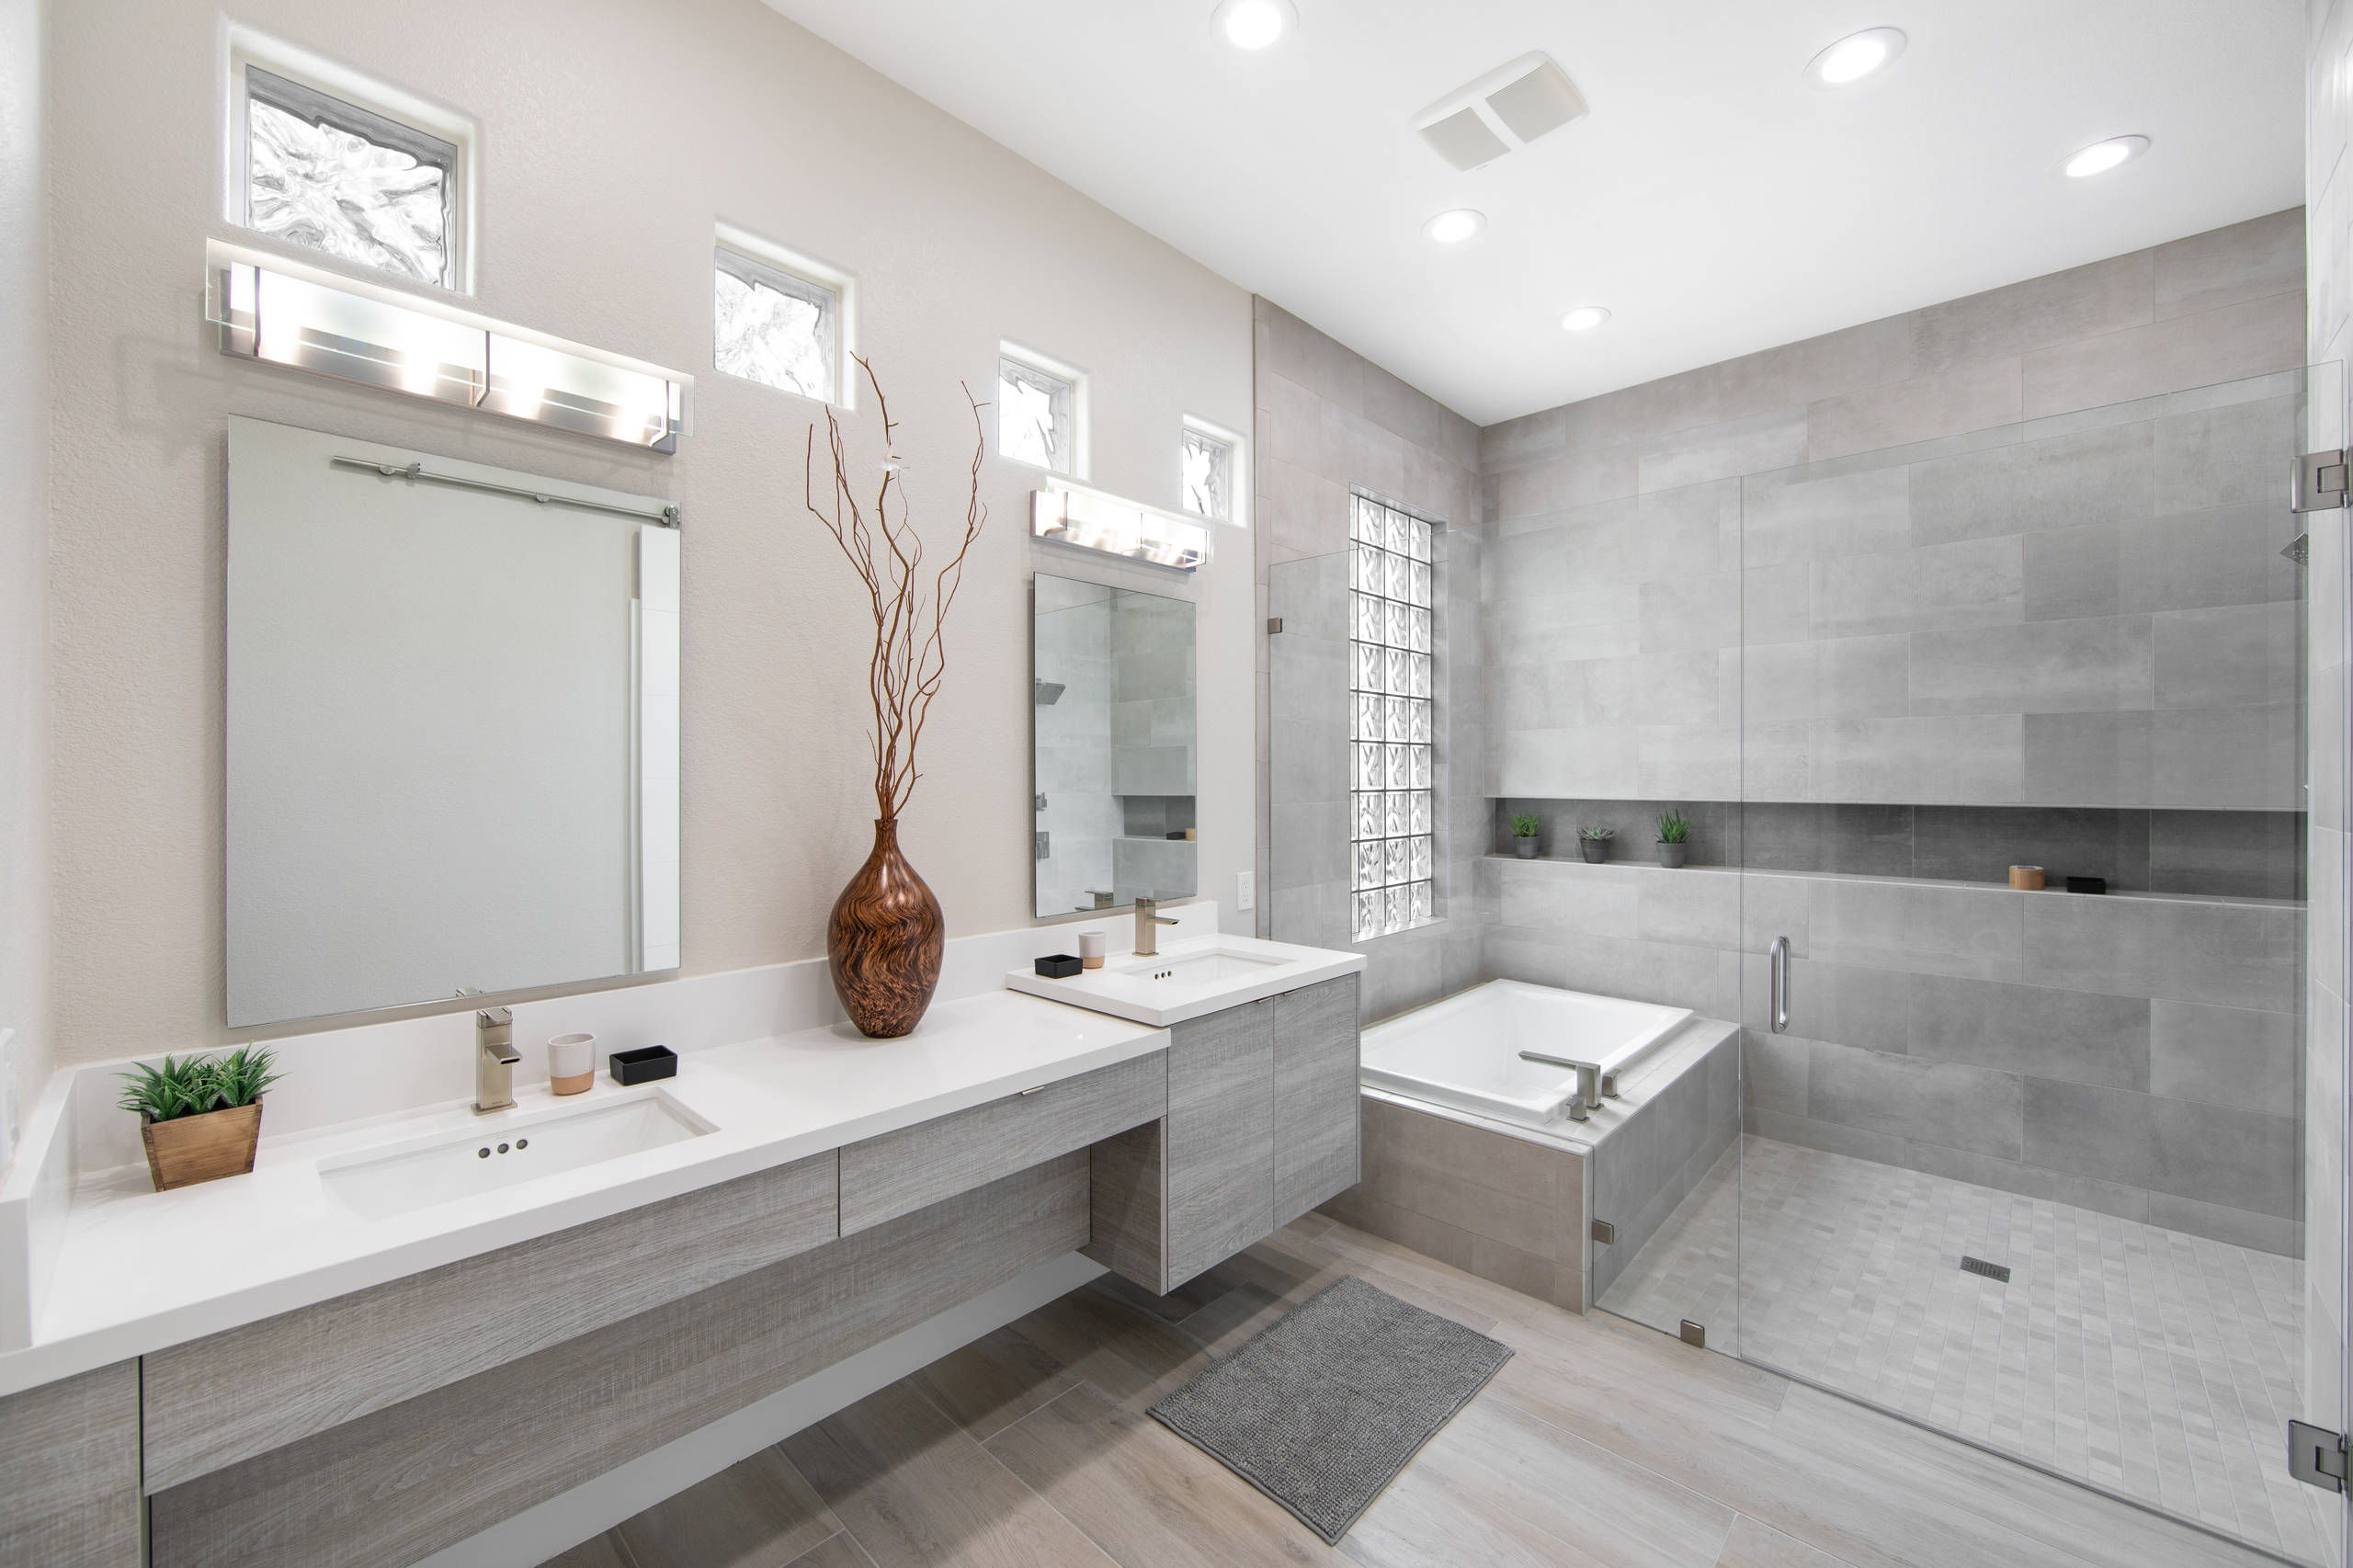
[[138, 1270], [1190, 977]]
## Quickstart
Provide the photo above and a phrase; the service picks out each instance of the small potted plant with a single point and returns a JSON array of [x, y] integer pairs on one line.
[[1674, 838], [1593, 843], [1524, 829], [200, 1118]]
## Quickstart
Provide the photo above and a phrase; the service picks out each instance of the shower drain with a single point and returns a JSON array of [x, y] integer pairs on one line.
[[2000, 1271]]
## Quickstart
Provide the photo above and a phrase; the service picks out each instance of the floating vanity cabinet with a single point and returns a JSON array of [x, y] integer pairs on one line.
[[401, 1483], [1262, 1126], [69, 1473], [900, 1172], [217, 1401]]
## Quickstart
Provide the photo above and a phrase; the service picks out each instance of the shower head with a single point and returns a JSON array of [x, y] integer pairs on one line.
[[1048, 692]]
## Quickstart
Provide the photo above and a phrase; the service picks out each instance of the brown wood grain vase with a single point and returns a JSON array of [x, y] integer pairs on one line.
[[884, 941]]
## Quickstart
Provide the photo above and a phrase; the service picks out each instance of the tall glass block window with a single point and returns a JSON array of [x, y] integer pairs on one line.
[[1391, 727]]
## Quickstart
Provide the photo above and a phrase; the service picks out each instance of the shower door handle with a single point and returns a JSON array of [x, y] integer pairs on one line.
[[1780, 984]]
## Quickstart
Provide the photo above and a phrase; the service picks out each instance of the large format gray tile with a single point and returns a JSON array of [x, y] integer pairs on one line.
[[2222, 954], [2240, 655], [2227, 555], [2233, 1056], [2227, 455], [1960, 757], [2220, 1154], [1917, 928], [2089, 759], [2065, 482], [2059, 307], [2253, 260], [2227, 853], [1967, 398], [2081, 1036], [2226, 344], [1756, 444], [2101, 663], [2225, 758], [1954, 1104]]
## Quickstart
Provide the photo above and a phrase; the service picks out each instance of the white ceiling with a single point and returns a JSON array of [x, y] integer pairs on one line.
[[1715, 201]]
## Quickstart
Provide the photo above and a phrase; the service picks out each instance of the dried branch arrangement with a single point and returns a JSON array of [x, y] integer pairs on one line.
[[910, 614]]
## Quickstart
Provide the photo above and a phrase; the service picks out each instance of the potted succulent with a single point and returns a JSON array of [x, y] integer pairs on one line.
[[1593, 843], [1674, 838], [200, 1118], [1524, 829]]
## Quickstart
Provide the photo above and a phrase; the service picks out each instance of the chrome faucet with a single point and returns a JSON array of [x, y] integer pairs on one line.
[[495, 1060], [1147, 918], [1592, 1084]]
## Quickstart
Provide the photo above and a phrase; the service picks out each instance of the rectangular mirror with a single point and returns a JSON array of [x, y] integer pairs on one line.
[[1112, 693], [452, 729]]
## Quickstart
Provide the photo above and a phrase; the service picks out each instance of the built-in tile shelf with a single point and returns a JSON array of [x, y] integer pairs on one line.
[[1632, 864]]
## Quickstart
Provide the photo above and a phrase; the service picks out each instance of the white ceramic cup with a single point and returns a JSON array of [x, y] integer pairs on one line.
[[570, 1055], [1090, 950]]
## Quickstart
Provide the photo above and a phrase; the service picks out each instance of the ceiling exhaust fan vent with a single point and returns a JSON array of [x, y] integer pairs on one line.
[[1505, 108]]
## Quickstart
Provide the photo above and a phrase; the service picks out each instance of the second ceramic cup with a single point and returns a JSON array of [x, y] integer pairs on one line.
[[571, 1062]]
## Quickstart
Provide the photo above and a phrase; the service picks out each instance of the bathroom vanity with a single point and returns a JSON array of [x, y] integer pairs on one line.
[[366, 1382]]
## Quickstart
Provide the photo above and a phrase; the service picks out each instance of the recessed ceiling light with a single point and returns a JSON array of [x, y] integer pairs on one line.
[[1254, 24], [1453, 228], [1856, 56], [2102, 157], [1584, 318]]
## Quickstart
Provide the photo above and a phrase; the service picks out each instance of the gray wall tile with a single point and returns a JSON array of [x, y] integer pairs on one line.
[[2235, 656], [2072, 1035], [2228, 555], [2100, 664], [2226, 267], [2251, 338], [2226, 955], [1919, 928], [2227, 1056], [2218, 1154], [2225, 758], [2102, 475], [2228, 456], [1971, 397], [2040, 311], [1935, 1102]]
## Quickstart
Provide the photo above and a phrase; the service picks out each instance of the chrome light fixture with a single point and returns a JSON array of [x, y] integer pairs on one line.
[[1094, 519], [271, 309]]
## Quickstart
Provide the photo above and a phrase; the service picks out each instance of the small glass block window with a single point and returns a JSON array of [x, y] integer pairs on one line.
[[1391, 723], [775, 327], [1208, 475], [1033, 416], [345, 180]]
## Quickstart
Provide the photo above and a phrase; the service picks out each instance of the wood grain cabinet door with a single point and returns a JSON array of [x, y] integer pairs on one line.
[[69, 1473], [1316, 1121], [1221, 1137]]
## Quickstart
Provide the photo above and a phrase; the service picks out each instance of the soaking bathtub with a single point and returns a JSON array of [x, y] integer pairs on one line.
[[1464, 1051]]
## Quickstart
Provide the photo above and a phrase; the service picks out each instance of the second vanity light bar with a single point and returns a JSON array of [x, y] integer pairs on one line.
[[1094, 519], [271, 309]]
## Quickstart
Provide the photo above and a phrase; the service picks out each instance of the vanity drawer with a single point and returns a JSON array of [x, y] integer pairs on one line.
[[245, 1392], [900, 1172]]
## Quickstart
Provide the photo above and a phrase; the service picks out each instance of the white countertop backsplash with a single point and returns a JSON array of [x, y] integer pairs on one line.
[[95, 1266]]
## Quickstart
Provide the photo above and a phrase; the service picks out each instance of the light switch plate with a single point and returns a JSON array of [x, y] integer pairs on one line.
[[1246, 890]]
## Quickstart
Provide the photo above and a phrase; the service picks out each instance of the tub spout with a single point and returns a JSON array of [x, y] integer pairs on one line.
[[1588, 1097]]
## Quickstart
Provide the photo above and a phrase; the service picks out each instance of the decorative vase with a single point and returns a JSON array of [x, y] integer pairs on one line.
[[1524, 847], [1670, 854], [1596, 850], [190, 1149], [884, 941]]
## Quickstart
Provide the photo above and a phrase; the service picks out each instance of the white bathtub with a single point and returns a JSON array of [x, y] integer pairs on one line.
[[1464, 1051]]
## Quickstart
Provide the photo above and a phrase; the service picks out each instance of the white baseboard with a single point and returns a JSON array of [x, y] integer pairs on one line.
[[599, 1503]]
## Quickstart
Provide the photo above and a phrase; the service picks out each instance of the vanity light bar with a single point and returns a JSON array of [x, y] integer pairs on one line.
[[1091, 519], [278, 311]]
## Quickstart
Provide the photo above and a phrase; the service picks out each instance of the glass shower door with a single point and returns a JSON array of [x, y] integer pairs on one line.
[[2023, 766]]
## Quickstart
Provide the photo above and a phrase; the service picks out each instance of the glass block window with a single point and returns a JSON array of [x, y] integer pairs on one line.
[[1033, 416], [1208, 475], [1393, 762], [775, 327], [345, 180]]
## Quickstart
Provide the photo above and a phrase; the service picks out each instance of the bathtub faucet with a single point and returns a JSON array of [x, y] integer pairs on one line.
[[1588, 1096]]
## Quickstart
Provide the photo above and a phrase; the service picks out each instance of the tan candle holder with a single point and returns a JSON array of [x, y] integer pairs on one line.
[[2026, 879]]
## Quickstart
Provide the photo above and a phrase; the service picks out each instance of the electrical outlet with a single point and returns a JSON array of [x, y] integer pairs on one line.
[[1246, 890]]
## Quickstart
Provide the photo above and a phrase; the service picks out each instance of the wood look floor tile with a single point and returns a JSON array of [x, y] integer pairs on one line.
[[840, 1552], [1147, 1496], [993, 1382], [1755, 1545], [1521, 1488], [1121, 1349], [600, 1551], [759, 1513], [1174, 1307], [914, 1491]]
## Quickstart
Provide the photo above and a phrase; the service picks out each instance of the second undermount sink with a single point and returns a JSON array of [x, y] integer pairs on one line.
[[1191, 979], [443, 1167]]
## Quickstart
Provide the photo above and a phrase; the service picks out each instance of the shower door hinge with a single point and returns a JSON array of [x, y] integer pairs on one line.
[[1045, 847], [2320, 481], [1605, 1233], [2316, 1455]]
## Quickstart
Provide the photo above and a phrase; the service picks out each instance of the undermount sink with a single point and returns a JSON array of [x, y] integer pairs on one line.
[[1202, 975], [444, 1168]]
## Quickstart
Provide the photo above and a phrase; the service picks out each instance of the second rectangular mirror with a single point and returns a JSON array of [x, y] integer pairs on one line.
[[1112, 692]]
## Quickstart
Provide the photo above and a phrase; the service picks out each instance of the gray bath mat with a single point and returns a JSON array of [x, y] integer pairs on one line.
[[1323, 1410]]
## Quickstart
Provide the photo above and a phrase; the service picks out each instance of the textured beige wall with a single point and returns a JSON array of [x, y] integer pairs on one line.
[[613, 136], [24, 543]]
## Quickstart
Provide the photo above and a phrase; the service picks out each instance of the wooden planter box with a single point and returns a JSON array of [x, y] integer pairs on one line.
[[190, 1149]]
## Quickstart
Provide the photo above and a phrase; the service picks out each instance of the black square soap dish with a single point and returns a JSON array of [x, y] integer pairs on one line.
[[2087, 884], [1059, 966], [644, 1065]]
